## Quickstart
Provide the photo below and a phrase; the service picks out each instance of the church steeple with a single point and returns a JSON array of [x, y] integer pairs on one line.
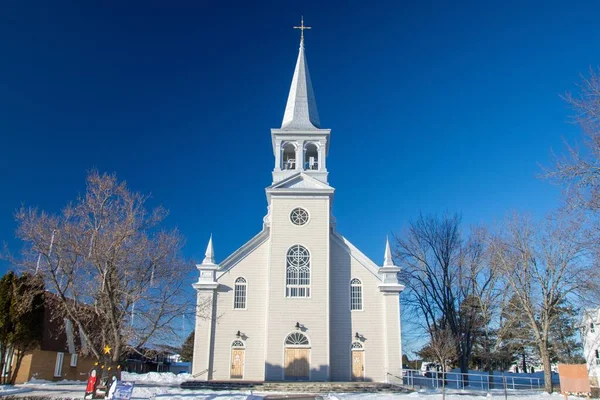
[[301, 108], [300, 145]]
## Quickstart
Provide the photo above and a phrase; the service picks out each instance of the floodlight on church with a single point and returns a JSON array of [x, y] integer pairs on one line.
[[297, 326], [238, 334]]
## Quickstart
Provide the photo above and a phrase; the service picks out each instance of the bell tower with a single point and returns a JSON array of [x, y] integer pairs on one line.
[[300, 145]]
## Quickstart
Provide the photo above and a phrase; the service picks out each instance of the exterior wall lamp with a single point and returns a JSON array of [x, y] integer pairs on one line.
[[238, 334], [357, 336], [297, 326]]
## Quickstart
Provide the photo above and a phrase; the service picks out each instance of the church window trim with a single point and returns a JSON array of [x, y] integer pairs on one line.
[[297, 272], [357, 346], [356, 295], [238, 344], [240, 294], [299, 216], [297, 339], [315, 165]]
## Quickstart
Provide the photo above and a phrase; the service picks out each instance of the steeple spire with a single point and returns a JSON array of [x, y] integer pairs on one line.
[[301, 109], [209, 256], [387, 259]]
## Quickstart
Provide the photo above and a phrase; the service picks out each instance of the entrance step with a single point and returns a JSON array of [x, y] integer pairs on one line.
[[295, 387]]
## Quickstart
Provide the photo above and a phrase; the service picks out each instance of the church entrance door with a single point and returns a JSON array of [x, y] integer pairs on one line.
[[296, 363], [237, 363], [358, 368]]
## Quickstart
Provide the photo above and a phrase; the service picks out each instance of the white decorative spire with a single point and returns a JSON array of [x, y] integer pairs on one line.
[[209, 256], [387, 259], [301, 109]]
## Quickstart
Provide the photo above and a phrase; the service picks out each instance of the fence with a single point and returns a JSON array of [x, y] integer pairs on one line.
[[473, 381]]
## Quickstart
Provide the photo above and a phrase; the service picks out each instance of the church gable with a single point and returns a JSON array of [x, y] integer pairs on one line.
[[301, 181], [240, 254], [352, 251]]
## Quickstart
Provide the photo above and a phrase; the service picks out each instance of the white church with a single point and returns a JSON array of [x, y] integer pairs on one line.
[[298, 301]]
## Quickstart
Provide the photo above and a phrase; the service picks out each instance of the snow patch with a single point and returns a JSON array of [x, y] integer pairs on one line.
[[8, 390]]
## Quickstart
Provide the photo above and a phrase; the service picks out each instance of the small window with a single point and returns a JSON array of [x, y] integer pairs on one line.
[[597, 354], [239, 297], [592, 328], [73, 360], [58, 366], [355, 294], [357, 346], [238, 344], [299, 216]]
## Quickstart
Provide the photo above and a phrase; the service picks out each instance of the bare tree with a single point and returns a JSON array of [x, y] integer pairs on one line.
[[446, 279], [119, 276], [579, 170], [441, 349], [545, 266]]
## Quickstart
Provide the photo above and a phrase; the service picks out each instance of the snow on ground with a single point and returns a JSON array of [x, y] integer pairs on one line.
[[157, 378], [166, 386], [8, 390]]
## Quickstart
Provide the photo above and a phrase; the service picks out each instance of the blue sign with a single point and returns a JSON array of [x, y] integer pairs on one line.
[[123, 391]]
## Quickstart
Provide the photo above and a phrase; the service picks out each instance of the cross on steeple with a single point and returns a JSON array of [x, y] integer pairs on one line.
[[302, 28]]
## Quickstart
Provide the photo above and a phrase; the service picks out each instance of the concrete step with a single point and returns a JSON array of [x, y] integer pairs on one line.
[[294, 387]]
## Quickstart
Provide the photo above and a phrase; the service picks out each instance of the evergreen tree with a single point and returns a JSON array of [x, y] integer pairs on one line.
[[21, 317], [27, 314], [187, 350], [6, 322], [565, 348]]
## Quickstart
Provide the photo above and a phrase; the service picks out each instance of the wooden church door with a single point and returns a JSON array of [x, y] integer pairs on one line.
[[358, 362], [237, 363], [358, 368], [296, 363]]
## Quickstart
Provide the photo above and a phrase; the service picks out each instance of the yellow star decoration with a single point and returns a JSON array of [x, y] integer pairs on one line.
[[107, 349]]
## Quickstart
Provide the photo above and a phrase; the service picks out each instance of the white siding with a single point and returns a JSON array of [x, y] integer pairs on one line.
[[250, 322], [312, 313], [369, 323], [201, 363]]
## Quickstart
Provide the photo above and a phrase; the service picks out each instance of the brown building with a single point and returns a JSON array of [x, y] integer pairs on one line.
[[58, 357]]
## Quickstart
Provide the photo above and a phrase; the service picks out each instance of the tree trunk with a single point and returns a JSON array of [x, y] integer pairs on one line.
[[464, 370], [547, 370], [2, 359]]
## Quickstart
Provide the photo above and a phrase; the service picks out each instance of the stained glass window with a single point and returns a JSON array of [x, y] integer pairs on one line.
[[297, 272]]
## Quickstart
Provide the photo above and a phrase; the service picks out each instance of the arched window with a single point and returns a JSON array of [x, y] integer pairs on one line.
[[239, 294], [355, 294], [297, 280], [296, 339], [311, 157], [238, 344], [357, 346], [288, 159]]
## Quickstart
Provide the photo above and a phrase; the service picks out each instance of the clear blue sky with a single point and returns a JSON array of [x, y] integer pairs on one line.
[[433, 106]]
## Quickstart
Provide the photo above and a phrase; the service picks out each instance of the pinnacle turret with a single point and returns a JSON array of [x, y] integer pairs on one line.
[[387, 258], [209, 256]]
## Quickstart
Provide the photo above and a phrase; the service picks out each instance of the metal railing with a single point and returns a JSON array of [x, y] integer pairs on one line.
[[474, 381]]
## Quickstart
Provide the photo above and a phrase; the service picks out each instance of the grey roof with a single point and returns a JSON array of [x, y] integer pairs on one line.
[[301, 109]]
